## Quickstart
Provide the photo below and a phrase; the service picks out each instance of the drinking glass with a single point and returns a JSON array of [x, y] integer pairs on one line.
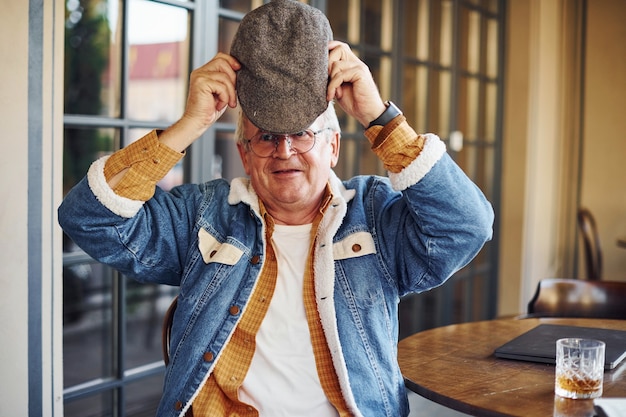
[[579, 368]]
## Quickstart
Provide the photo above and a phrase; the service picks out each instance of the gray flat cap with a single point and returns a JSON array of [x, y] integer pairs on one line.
[[283, 49]]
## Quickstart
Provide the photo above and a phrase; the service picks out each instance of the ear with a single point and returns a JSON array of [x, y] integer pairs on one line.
[[335, 144], [243, 154]]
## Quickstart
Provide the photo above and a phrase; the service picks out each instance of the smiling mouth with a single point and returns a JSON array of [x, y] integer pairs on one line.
[[285, 171]]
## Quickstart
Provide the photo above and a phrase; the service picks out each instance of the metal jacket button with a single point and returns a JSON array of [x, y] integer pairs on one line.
[[356, 247], [208, 356], [233, 310]]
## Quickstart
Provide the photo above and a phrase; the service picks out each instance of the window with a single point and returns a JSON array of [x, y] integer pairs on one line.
[[126, 71], [441, 62]]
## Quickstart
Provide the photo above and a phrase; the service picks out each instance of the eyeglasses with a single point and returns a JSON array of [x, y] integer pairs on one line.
[[264, 144]]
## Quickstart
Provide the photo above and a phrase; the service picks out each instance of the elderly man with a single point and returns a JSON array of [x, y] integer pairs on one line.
[[289, 279]]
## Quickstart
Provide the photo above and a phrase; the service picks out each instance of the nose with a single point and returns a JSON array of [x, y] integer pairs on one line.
[[283, 148]]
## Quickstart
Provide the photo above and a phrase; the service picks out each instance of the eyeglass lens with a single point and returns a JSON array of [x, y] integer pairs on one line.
[[264, 144]]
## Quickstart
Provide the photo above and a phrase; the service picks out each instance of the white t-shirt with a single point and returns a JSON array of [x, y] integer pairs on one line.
[[282, 380]]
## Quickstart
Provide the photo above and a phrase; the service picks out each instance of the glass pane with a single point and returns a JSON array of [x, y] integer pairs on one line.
[[493, 6], [380, 67], [81, 147], [142, 397], [445, 90], [487, 182], [470, 47], [339, 18], [356, 158], [415, 96], [88, 327], [492, 48], [466, 159], [373, 22], [92, 58], [146, 305], [158, 61], [242, 6], [135, 134], [378, 20], [227, 31], [446, 33], [491, 112], [433, 107], [417, 24], [99, 405], [470, 107], [485, 170], [490, 5]]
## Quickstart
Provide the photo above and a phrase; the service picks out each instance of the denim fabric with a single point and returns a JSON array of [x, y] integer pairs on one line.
[[375, 244]]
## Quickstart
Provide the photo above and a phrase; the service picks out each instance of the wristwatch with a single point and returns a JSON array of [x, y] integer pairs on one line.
[[390, 112]]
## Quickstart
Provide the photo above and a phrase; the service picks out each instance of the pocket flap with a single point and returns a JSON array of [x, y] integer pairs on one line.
[[214, 251], [354, 245]]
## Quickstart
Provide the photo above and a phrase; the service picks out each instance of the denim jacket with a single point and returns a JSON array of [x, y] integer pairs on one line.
[[381, 238]]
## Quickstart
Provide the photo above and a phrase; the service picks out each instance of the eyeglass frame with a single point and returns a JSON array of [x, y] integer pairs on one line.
[[288, 138]]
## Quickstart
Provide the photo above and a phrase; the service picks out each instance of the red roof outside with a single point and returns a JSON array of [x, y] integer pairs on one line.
[[157, 60]]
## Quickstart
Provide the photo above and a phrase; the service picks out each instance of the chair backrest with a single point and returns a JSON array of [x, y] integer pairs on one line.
[[166, 330], [591, 244], [562, 297]]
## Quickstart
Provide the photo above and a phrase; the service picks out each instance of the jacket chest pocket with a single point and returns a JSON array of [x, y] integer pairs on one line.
[[358, 276], [213, 250]]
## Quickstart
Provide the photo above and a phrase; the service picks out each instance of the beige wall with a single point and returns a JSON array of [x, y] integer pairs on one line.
[[514, 151], [532, 151], [30, 164], [13, 220], [543, 133], [604, 163]]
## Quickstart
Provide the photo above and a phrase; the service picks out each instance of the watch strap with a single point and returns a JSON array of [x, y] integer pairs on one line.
[[388, 115]]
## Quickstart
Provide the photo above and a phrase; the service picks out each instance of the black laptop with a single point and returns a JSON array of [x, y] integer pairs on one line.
[[539, 343]]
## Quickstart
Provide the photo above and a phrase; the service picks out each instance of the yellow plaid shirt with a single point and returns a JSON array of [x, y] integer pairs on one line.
[[147, 161]]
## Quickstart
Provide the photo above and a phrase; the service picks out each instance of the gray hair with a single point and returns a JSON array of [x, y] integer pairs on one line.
[[328, 119]]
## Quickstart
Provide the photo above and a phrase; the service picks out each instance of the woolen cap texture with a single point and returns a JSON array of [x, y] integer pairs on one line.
[[283, 50]]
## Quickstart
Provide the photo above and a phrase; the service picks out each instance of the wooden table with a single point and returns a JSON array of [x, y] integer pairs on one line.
[[455, 366]]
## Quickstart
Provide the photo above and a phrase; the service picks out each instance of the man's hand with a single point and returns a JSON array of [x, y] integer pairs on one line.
[[351, 84], [211, 90]]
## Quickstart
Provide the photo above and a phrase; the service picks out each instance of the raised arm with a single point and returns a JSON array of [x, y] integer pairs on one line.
[[211, 91]]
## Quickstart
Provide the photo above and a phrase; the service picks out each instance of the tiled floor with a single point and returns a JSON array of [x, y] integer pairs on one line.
[[422, 407]]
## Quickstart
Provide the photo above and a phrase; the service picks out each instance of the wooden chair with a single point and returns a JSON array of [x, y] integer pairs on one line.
[[562, 297], [591, 244], [166, 330]]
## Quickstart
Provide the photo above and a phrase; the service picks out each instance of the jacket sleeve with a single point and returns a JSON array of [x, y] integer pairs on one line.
[[440, 220], [144, 240]]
